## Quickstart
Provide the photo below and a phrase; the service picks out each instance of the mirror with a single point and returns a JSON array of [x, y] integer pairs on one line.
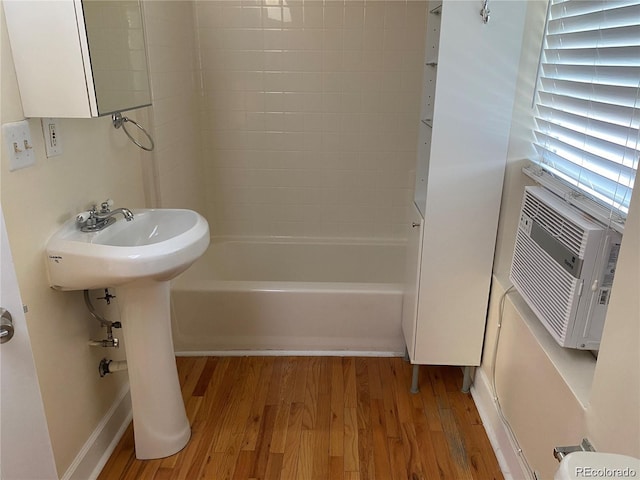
[[118, 56]]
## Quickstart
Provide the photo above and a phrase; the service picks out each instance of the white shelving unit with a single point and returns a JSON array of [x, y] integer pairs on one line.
[[429, 75], [468, 93]]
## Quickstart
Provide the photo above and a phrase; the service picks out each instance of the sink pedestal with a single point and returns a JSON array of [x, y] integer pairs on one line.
[[160, 423]]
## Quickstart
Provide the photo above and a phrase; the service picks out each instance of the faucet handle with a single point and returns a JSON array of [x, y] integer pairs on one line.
[[105, 207], [86, 220], [82, 217]]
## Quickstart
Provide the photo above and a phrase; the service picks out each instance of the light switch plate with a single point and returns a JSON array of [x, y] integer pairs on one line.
[[17, 140]]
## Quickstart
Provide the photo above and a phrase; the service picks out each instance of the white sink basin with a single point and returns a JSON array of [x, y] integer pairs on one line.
[[156, 245]]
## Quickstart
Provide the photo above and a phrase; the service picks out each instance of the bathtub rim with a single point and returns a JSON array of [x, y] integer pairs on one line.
[[309, 240], [199, 285], [289, 353]]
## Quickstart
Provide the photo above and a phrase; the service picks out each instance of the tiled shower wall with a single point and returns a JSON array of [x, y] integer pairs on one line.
[[175, 164], [309, 116]]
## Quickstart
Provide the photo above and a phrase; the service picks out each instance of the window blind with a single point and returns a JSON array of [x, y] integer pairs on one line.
[[588, 98]]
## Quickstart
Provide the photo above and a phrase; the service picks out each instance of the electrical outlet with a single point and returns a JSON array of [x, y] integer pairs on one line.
[[52, 140], [17, 139]]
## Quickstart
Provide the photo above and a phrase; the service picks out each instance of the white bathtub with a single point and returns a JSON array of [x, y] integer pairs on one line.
[[291, 297]]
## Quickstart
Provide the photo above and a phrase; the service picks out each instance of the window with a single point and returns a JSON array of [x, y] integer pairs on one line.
[[588, 98]]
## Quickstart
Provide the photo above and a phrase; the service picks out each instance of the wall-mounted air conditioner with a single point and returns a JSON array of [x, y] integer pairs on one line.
[[563, 266]]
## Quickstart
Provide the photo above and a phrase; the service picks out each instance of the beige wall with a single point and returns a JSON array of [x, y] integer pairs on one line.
[[613, 416], [310, 115], [98, 162], [553, 396], [312, 148]]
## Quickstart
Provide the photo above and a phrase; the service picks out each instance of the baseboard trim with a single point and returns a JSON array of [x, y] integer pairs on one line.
[[505, 451], [102, 442], [288, 353]]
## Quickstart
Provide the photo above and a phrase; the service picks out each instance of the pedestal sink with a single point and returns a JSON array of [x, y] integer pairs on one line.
[[139, 258]]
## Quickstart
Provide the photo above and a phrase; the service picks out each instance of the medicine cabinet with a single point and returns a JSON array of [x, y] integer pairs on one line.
[[78, 58], [469, 82]]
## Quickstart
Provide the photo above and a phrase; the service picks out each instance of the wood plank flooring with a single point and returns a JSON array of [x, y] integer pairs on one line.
[[318, 418]]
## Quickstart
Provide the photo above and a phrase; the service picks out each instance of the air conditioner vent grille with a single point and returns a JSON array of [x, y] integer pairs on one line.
[[564, 230], [560, 255], [549, 289]]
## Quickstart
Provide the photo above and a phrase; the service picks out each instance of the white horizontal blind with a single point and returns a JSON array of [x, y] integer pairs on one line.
[[588, 98]]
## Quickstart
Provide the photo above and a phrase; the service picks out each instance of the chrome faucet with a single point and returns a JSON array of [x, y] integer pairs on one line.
[[95, 220]]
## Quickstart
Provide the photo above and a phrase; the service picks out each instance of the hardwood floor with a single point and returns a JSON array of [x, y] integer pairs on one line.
[[319, 418]]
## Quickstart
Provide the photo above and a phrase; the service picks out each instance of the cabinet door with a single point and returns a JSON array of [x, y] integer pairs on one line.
[[45, 45], [412, 280], [477, 69], [90, 68]]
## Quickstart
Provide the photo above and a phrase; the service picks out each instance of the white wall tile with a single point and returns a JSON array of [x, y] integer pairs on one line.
[[175, 80], [309, 113]]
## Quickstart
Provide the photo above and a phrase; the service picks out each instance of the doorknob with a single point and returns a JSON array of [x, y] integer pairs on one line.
[[415, 224], [6, 326]]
